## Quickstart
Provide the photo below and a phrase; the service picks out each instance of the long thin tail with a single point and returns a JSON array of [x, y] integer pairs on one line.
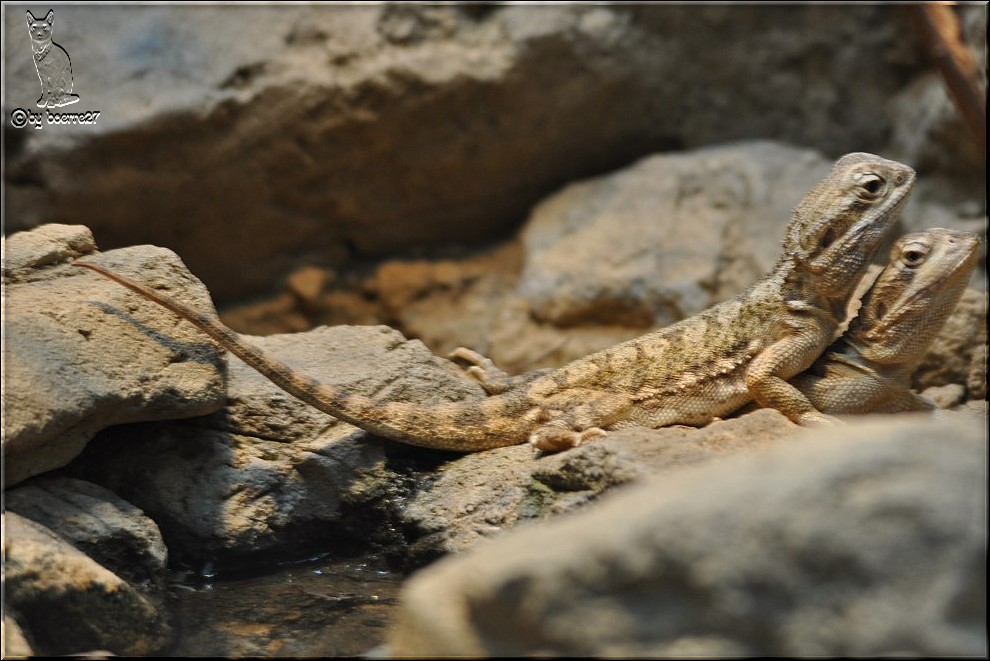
[[464, 426]]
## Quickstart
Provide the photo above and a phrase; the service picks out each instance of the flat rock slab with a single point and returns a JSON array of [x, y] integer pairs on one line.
[[82, 353], [808, 549]]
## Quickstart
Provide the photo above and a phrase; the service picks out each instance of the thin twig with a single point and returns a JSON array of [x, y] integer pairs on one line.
[[942, 35]]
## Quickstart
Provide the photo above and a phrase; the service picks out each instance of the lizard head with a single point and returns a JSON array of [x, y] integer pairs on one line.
[[841, 222], [913, 296]]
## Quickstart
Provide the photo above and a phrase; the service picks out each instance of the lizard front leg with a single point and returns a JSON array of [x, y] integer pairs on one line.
[[795, 348], [841, 387]]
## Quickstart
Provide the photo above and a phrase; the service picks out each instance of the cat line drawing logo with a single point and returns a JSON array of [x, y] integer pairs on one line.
[[52, 62], [54, 68]]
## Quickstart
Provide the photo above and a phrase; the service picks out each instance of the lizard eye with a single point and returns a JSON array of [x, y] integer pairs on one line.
[[871, 186], [913, 257]]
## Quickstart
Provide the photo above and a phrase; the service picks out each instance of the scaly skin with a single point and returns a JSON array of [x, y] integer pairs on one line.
[[868, 370], [708, 365]]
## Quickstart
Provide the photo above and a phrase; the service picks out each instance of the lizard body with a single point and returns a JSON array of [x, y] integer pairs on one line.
[[708, 365], [868, 369]]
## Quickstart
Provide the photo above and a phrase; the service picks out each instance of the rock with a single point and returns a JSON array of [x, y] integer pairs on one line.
[[389, 125], [82, 353], [15, 643], [309, 283], [68, 602], [666, 238], [947, 396], [478, 496], [97, 522], [807, 549], [26, 254], [451, 303], [268, 474], [929, 131], [958, 354]]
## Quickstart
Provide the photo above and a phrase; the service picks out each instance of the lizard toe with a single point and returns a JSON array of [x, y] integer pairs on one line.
[[556, 439]]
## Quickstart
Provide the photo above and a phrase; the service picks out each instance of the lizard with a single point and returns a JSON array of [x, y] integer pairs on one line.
[[739, 350], [868, 369]]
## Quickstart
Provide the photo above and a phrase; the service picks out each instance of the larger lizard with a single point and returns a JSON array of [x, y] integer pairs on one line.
[[708, 365], [868, 369]]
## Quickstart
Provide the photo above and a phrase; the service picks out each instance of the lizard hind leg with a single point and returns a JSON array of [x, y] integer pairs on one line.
[[494, 380]]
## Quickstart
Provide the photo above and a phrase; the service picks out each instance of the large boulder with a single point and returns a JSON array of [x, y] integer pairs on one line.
[[82, 353], [809, 549]]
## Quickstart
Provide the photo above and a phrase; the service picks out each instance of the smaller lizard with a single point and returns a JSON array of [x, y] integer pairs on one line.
[[868, 369]]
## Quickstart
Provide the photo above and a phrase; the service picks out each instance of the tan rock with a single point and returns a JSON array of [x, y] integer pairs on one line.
[[69, 602], [15, 643], [82, 353]]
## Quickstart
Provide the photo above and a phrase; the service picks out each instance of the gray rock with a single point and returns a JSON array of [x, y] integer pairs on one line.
[[68, 602], [484, 495], [269, 474], [82, 353], [387, 125], [97, 522], [809, 549], [666, 238]]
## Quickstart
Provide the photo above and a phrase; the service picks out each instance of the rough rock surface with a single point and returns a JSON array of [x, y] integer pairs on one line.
[[663, 239], [295, 135], [959, 353], [809, 549], [485, 494], [15, 643], [82, 353], [267, 473], [97, 522], [69, 602]]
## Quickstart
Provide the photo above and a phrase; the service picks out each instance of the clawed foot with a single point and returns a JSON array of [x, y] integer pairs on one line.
[[553, 439], [483, 370]]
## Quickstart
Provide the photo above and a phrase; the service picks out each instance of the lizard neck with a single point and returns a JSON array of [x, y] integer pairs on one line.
[[795, 286]]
